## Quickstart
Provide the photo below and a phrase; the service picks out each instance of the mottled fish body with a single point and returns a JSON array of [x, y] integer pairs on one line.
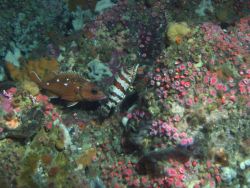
[[71, 87]]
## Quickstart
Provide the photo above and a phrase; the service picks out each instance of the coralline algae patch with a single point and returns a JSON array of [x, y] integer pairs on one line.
[[8, 108], [40, 124], [229, 46], [188, 93], [219, 78], [191, 84], [170, 173], [14, 105]]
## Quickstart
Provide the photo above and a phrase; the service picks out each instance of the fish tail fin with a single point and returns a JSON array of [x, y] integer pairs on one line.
[[35, 78]]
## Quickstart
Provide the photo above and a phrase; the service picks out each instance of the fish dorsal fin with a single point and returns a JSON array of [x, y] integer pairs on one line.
[[55, 73], [68, 77], [133, 69], [130, 72], [51, 95], [34, 77]]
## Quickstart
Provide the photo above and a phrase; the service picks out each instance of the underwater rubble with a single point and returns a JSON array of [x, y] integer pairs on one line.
[[107, 93]]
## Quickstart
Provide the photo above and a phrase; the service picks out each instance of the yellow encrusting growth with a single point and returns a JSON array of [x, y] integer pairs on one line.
[[30, 87], [176, 31]]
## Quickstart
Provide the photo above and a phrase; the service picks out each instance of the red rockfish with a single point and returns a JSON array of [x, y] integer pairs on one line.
[[71, 87]]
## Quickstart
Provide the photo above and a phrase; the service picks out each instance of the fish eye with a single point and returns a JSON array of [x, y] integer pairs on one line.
[[94, 91]]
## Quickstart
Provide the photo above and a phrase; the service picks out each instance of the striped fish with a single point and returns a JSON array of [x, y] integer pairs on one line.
[[117, 92]]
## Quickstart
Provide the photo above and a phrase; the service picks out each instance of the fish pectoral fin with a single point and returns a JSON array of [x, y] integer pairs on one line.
[[70, 104], [68, 98], [51, 95]]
